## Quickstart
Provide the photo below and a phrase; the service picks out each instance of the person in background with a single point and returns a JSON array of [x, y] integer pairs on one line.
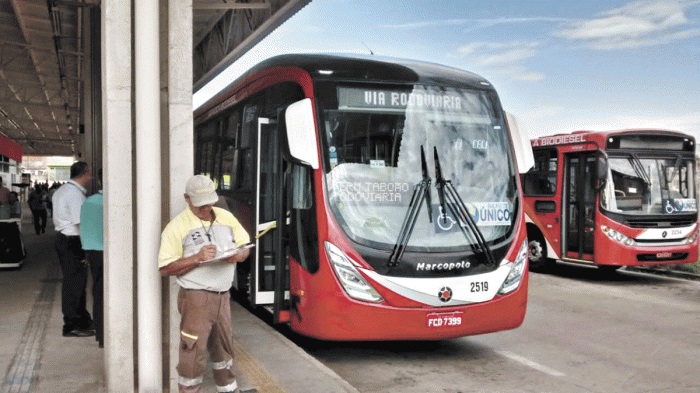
[[188, 244], [91, 237], [4, 193], [52, 190], [15, 206], [67, 201], [37, 204]]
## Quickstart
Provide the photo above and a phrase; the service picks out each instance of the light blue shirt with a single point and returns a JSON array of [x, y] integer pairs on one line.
[[91, 217]]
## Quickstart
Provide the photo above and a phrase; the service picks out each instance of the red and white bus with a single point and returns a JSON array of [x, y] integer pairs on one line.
[[383, 195], [612, 199]]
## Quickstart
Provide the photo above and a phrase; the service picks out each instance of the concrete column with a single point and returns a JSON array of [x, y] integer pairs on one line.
[[119, 208], [92, 90], [180, 144], [91, 152], [148, 188]]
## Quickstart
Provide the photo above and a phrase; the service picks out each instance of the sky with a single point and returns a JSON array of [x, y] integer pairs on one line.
[[558, 65]]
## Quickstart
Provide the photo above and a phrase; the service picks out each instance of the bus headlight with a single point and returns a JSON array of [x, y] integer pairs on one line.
[[516, 271], [693, 236], [352, 281], [617, 236]]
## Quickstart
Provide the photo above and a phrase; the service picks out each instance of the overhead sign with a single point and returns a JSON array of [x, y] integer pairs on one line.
[[10, 148]]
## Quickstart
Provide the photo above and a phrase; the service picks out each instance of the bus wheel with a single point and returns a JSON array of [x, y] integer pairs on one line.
[[537, 253]]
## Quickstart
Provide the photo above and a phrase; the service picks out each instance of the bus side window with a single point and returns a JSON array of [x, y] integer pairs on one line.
[[244, 165], [205, 142], [542, 178], [228, 153], [217, 153]]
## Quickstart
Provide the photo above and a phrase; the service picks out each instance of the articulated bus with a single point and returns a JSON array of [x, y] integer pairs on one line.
[[612, 199], [383, 196]]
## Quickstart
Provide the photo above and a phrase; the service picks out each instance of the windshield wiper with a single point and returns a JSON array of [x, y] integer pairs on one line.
[[676, 170], [446, 190], [421, 192], [663, 175], [639, 168]]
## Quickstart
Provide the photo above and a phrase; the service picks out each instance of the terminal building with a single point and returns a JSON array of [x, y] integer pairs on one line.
[[110, 82]]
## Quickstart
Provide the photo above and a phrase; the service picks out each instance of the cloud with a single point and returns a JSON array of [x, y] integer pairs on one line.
[[505, 58], [501, 58], [472, 23], [426, 23], [638, 24], [510, 56]]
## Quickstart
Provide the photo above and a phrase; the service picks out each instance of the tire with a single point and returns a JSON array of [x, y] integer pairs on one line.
[[537, 254]]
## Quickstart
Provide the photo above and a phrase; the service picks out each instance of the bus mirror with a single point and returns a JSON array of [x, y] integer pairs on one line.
[[301, 132], [601, 170], [521, 145]]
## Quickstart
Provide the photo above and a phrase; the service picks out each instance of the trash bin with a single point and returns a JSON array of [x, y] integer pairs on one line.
[[12, 251]]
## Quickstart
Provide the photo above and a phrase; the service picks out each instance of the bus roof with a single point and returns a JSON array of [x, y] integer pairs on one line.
[[599, 137], [356, 67]]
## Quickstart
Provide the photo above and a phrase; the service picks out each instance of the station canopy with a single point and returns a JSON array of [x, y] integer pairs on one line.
[[43, 56]]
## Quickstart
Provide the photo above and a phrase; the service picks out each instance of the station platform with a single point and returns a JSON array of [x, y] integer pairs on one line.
[[35, 357]]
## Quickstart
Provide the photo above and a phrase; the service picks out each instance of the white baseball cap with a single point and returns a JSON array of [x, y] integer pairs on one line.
[[201, 191]]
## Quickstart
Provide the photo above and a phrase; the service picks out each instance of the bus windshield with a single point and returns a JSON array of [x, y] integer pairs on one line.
[[372, 154], [650, 185]]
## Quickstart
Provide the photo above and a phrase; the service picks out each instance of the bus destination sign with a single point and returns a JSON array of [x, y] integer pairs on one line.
[[358, 98], [558, 140]]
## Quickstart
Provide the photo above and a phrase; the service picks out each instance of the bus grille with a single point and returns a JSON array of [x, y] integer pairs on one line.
[[666, 223], [662, 257], [661, 242]]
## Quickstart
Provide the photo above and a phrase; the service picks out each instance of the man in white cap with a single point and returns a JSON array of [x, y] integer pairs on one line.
[[201, 246]]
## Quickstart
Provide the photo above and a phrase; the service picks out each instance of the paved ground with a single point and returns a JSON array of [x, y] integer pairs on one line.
[[584, 332], [36, 358]]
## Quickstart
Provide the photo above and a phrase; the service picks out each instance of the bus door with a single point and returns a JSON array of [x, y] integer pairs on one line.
[[269, 287], [579, 207]]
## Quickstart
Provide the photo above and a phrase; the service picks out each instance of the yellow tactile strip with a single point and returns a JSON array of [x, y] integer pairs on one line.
[[254, 372]]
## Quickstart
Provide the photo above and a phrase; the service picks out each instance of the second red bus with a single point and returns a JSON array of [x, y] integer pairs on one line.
[[612, 199]]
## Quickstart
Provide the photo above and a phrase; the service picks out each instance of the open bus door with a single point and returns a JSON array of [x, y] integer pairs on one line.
[[269, 273], [287, 154], [579, 207]]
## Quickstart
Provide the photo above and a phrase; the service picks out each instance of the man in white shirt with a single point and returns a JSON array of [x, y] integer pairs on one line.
[[67, 201]]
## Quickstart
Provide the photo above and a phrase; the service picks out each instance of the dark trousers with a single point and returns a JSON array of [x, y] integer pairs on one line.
[[96, 260], [39, 220], [70, 255]]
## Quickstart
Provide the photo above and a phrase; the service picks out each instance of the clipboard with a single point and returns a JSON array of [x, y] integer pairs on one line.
[[229, 253]]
